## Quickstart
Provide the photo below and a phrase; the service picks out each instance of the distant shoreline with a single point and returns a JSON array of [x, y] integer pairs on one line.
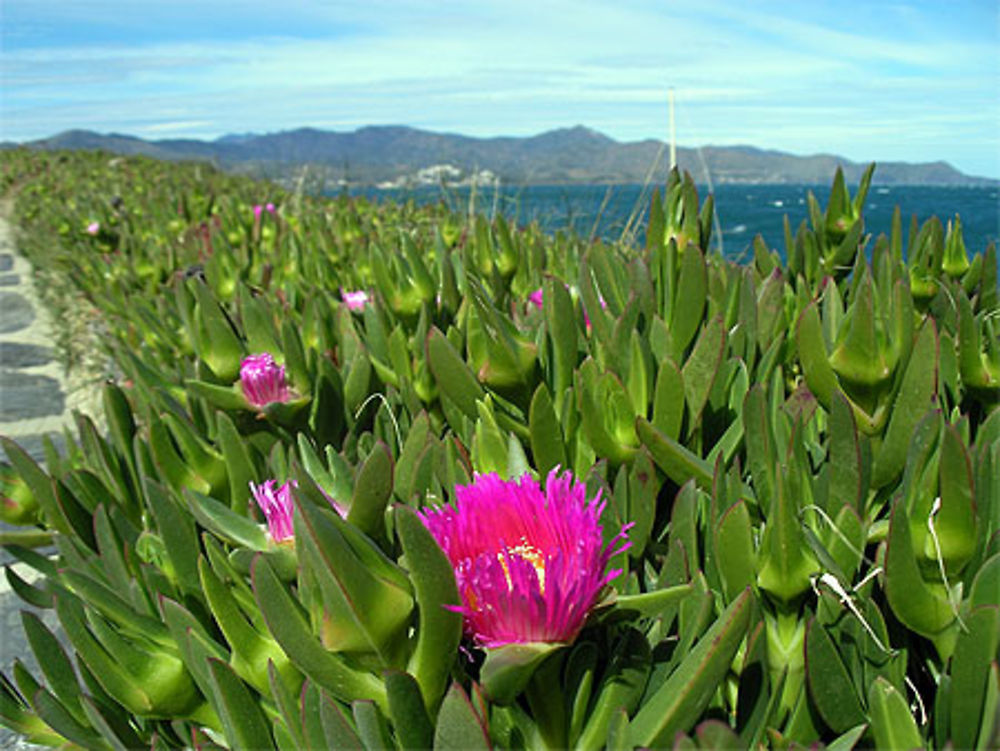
[[376, 155]]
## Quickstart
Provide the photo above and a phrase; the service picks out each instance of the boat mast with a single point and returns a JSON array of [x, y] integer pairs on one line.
[[673, 130]]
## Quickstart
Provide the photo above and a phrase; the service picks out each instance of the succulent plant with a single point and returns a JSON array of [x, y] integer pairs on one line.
[[344, 541]]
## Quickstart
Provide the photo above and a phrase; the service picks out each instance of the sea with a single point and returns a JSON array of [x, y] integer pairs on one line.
[[742, 210]]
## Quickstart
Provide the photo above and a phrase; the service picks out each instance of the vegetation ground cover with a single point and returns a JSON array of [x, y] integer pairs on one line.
[[803, 456]]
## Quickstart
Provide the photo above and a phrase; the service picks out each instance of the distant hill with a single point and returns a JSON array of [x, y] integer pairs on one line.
[[380, 154]]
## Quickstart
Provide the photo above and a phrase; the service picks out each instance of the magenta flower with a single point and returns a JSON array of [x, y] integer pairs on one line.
[[354, 300], [277, 506], [257, 211], [93, 228], [529, 565], [536, 298], [263, 380], [269, 207]]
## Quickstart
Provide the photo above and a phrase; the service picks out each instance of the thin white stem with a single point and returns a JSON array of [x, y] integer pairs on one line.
[[385, 403]]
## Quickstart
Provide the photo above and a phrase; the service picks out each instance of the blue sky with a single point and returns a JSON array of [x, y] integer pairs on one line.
[[911, 81]]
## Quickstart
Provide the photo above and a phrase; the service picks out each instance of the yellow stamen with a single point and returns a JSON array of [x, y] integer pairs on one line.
[[532, 555]]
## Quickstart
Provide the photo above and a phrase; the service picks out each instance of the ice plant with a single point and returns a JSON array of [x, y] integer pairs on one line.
[[529, 564], [277, 506], [263, 380], [354, 300]]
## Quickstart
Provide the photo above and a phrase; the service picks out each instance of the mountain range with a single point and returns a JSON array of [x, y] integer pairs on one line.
[[396, 155]]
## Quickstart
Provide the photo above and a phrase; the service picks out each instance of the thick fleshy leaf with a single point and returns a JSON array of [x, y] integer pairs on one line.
[[955, 521], [830, 685], [54, 663], [179, 535], [668, 399], [560, 322], [415, 447], [846, 480], [677, 704], [975, 649], [734, 553], [579, 674], [820, 377], [702, 367], [914, 602], [229, 398], [288, 625], [455, 379], [621, 688], [915, 397], [239, 464], [40, 484], [226, 522], [891, 722], [413, 726], [372, 491], [241, 715], [547, 443], [643, 490], [219, 346], [440, 627], [371, 725], [251, 651], [508, 669], [366, 599], [786, 563], [689, 301], [55, 715], [459, 727], [677, 462]]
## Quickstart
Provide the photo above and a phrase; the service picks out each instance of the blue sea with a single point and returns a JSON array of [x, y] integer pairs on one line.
[[743, 211]]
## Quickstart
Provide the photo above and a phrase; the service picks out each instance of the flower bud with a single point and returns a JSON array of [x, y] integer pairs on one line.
[[263, 380], [17, 503], [277, 506]]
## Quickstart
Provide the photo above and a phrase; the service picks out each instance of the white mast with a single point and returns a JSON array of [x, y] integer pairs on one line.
[[673, 131]]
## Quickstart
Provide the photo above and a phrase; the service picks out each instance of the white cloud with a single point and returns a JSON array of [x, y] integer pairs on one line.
[[763, 73]]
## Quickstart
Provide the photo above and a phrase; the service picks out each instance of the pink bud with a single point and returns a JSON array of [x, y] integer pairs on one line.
[[354, 300], [263, 380], [277, 506]]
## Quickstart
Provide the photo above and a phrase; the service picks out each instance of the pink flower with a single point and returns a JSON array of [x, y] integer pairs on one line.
[[257, 211], [93, 228], [354, 300], [535, 298], [529, 565], [263, 380], [277, 506], [269, 207]]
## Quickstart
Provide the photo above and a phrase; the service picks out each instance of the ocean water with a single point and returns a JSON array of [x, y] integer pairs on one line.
[[743, 211]]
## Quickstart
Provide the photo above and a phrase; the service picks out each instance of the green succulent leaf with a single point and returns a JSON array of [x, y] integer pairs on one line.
[[677, 704], [287, 623], [891, 722], [459, 727], [439, 627]]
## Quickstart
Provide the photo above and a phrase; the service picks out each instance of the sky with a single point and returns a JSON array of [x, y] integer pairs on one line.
[[870, 81]]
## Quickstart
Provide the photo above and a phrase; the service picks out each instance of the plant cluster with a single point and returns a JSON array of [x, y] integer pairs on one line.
[[381, 476]]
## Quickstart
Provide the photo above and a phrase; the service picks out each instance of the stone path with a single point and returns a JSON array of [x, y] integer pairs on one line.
[[36, 400]]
